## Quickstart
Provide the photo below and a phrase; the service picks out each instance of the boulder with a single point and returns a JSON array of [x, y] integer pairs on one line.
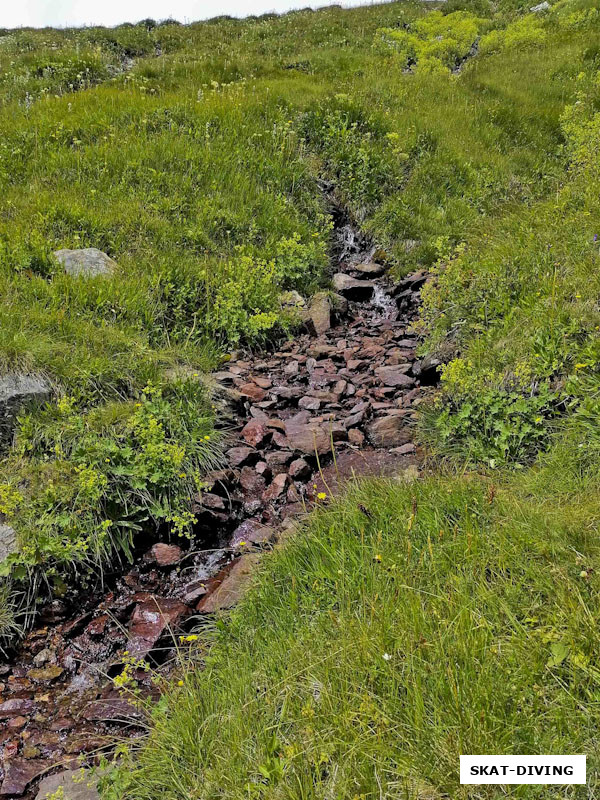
[[150, 620], [88, 263], [352, 288], [338, 303], [540, 7], [17, 391], [307, 438], [19, 774], [389, 431], [320, 314]]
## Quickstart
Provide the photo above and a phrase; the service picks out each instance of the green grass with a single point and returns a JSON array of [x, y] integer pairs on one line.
[[404, 625]]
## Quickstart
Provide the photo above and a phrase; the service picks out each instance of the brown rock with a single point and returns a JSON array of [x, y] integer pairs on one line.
[[255, 433], [306, 438], [150, 620], [77, 784], [46, 673], [165, 555], [369, 268], [389, 432], [356, 437], [114, 709], [253, 392], [299, 470], [16, 723], [15, 707], [238, 456], [229, 592], [19, 774], [309, 403], [252, 532], [277, 487]]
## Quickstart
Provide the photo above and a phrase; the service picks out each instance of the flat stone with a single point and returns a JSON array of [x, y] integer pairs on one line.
[[150, 620], [113, 709], [352, 288], [369, 268], [388, 432], [394, 376], [231, 590], [309, 403], [45, 674], [252, 391], [89, 262], [77, 784], [19, 774], [306, 438]]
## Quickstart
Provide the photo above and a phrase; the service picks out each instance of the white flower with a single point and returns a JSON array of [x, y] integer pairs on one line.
[[386, 657]]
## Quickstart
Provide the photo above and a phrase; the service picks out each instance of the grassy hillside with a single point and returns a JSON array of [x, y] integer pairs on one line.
[[464, 140]]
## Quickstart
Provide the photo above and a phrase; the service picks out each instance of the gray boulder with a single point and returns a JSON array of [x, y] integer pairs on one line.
[[89, 262], [15, 392], [74, 784], [540, 7], [8, 542]]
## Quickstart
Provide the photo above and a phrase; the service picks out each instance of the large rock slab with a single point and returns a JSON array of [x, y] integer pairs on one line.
[[88, 263], [19, 774], [233, 587], [352, 288], [307, 438], [17, 391], [73, 784], [395, 376]]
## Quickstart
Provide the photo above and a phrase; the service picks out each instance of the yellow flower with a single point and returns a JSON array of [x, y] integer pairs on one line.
[[378, 558], [581, 366], [538, 419], [180, 683], [207, 437], [321, 495], [242, 544]]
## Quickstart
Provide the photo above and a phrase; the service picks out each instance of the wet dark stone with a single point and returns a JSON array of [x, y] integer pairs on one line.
[[150, 620], [19, 774]]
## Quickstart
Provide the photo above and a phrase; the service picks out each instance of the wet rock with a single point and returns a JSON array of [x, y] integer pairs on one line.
[[394, 376], [89, 262], [299, 470], [97, 627], [352, 288], [78, 784], [255, 433], [46, 674], [17, 391], [150, 620], [230, 591], [390, 431], [277, 488], [16, 707], [320, 314], [19, 774], [252, 532], [165, 555]]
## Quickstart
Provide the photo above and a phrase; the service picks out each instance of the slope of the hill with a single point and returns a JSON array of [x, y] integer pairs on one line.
[[459, 612]]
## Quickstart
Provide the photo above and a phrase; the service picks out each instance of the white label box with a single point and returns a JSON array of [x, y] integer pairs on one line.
[[523, 769]]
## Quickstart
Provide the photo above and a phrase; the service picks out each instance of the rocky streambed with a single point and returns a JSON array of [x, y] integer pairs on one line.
[[338, 400]]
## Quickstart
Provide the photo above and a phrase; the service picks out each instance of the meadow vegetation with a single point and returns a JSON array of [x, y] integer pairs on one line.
[[454, 614]]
